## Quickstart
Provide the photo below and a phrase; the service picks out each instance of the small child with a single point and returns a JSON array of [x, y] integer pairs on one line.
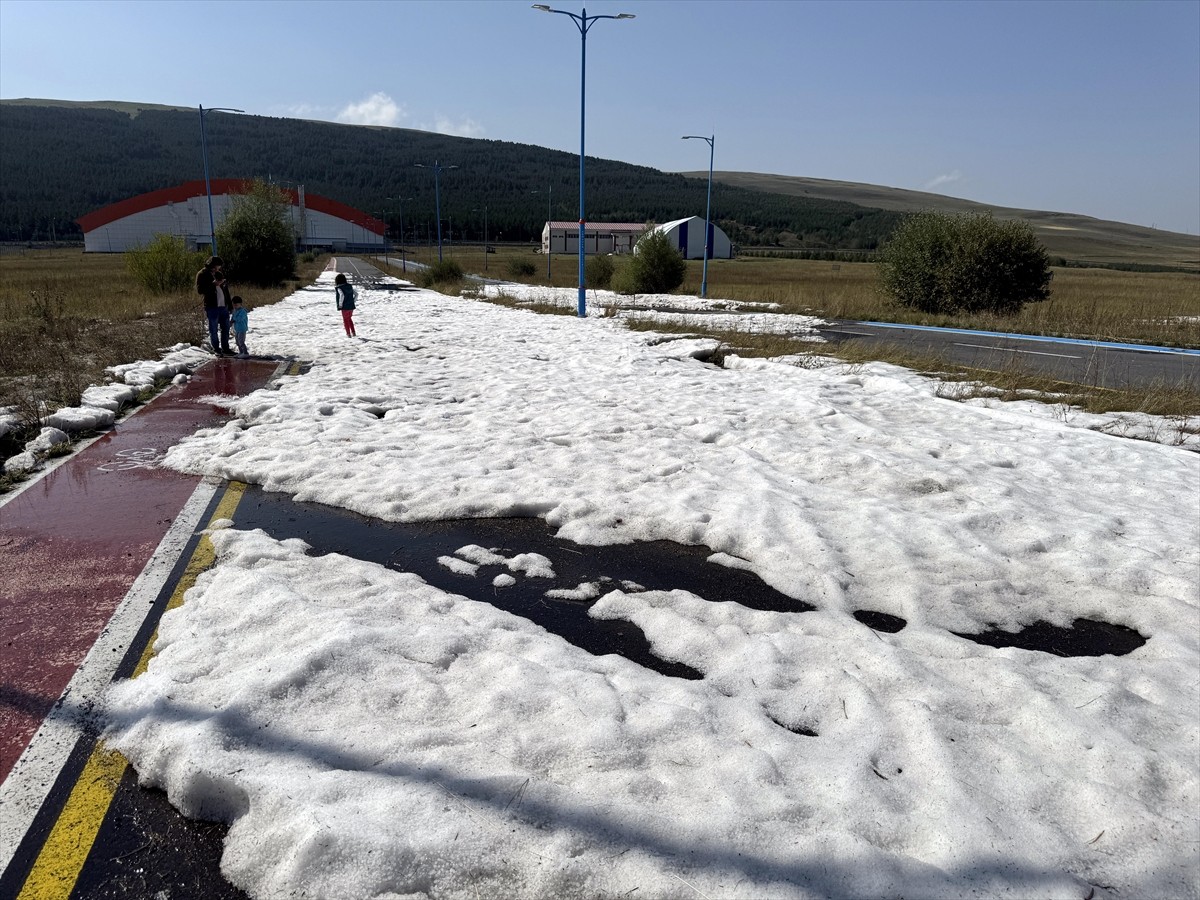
[[241, 324], [343, 295]]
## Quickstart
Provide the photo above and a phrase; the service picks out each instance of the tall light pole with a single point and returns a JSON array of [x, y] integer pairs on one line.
[[583, 22], [400, 201], [212, 227], [438, 168], [549, 228], [485, 247], [707, 208], [382, 218]]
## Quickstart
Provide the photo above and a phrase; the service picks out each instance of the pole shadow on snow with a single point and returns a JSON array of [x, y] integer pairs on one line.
[[823, 875]]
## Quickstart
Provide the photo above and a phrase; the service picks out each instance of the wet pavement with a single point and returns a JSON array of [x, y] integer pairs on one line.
[[419, 547], [74, 541]]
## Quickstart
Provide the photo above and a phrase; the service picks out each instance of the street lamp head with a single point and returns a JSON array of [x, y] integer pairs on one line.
[[626, 16], [542, 6]]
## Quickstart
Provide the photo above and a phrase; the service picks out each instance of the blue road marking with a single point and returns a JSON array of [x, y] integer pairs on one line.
[[1110, 345]]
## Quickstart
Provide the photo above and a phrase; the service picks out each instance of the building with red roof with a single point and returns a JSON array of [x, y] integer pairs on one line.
[[319, 223], [598, 237]]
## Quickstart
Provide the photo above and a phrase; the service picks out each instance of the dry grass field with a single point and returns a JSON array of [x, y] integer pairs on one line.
[[65, 316], [1161, 308], [1101, 304]]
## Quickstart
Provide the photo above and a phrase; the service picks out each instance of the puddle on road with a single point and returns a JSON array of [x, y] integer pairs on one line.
[[1085, 637], [880, 621], [651, 565], [417, 547]]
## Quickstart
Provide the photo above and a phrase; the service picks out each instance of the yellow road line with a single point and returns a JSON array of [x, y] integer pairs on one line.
[[66, 849]]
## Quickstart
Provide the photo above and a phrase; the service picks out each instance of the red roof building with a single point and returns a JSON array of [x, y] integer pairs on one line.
[[319, 223], [598, 237]]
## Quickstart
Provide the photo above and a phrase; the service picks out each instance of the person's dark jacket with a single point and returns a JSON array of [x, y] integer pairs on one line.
[[206, 286], [344, 296]]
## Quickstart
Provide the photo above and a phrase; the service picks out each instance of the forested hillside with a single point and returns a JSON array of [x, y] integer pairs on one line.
[[59, 162]]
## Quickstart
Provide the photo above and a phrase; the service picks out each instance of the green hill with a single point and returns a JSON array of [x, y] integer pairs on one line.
[[61, 159], [1068, 235]]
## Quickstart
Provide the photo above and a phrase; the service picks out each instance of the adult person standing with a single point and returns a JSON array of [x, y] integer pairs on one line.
[[211, 285]]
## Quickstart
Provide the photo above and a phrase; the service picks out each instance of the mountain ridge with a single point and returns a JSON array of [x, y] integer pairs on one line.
[[65, 158], [1072, 235]]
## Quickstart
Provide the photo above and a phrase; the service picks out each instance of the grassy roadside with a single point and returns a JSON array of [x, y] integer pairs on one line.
[[1161, 308], [65, 316], [1175, 402]]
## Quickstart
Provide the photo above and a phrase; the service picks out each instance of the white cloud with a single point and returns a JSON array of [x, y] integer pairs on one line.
[[305, 111], [941, 180], [464, 128], [378, 109]]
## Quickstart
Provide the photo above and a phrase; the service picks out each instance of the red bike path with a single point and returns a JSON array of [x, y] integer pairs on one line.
[[73, 543]]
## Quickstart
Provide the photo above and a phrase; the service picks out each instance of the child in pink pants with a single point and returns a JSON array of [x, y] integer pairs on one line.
[[344, 296]]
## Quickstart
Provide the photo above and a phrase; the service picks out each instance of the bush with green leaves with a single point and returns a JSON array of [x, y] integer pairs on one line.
[[165, 265], [521, 268], [656, 267], [598, 271], [441, 272], [256, 239], [948, 264]]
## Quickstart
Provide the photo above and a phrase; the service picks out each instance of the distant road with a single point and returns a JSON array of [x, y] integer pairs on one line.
[[1104, 363]]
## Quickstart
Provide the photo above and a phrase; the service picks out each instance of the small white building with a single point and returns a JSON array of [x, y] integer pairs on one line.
[[687, 235], [598, 237], [319, 223]]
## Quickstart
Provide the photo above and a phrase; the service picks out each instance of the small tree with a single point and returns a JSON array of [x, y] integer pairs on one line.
[[164, 265], [598, 271], [940, 263], [256, 239], [521, 268], [444, 271], [655, 267]]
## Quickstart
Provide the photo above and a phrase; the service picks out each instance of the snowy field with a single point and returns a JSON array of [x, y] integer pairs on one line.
[[368, 735]]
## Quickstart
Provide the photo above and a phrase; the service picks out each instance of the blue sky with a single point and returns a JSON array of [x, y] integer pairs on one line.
[[1088, 107]]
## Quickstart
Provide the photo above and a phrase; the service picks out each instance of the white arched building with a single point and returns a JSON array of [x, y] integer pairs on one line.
[[319, 223], [687, 235]]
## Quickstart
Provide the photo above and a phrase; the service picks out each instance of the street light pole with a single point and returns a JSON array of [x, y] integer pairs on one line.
[[485, 241], [212, 227], [400, 201], [711, 141], [583, 22], [437, 194], [386, 262]]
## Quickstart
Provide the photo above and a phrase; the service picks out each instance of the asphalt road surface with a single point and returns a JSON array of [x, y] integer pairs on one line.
[[1102, 363]]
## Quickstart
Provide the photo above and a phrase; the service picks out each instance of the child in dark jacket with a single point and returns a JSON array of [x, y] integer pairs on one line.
[[241, 324], [343, 295]]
